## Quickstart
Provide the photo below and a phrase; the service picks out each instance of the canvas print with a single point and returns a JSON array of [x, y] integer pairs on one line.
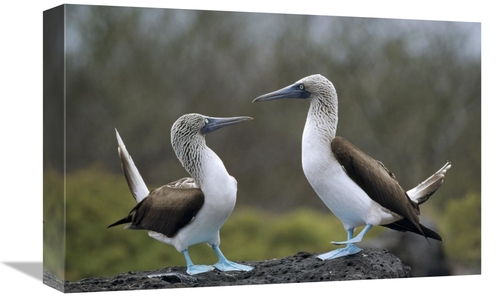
[[190, 148]]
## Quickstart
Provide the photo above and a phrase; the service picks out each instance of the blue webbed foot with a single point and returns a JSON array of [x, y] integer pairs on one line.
[[350, 249], [232, 266], [197, 269], [225, 265]]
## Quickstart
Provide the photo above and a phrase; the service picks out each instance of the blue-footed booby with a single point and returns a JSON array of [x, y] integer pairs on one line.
[[359, 190], [190, 210]]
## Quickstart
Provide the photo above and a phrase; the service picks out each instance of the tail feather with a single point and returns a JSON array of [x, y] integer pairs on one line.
[[119, 222], [134, 179], [405, 225], [425, 189], [430, 233]]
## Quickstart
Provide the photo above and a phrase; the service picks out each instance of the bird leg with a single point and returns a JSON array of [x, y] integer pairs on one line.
[[356, 239], [195, 269], [350, 249], [225, 265]]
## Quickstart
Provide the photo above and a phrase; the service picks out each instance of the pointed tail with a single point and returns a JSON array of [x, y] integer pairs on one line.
[[425, 189], [404, 225], [134, 179], [119, 222]]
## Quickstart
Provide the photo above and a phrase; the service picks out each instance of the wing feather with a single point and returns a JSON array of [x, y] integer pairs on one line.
[[376, 180], [165, 210]]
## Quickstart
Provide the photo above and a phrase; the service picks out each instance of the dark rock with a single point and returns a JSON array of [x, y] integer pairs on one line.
[[426, 257], [300, 268]]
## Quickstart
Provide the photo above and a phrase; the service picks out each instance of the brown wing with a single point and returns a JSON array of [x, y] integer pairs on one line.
[[165, 210], [376, 180]]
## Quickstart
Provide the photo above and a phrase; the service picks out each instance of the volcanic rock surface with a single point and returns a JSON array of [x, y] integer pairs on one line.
[[302, 267]]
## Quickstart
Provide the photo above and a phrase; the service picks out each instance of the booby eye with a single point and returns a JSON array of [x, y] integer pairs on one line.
[[301, 86], [206, 121]]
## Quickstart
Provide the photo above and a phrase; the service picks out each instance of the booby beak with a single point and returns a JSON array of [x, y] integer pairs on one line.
[[212, 124], [295, 91]]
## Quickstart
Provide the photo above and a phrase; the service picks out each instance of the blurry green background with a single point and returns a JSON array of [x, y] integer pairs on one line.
[[409, 95]]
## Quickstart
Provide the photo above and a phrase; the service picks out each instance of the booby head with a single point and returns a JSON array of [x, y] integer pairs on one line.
[[188, 134], [320, 92], [193, 125], [312, 87]]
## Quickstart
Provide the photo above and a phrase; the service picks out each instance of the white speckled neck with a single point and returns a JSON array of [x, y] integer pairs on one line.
[[323, 111]]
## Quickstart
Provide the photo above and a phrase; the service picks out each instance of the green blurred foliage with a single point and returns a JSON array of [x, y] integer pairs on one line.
[[409, 95], [462, 226], [54, 222]]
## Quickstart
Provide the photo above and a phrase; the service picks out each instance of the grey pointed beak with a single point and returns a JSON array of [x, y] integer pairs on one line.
[[212, 124], [295, 91]]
